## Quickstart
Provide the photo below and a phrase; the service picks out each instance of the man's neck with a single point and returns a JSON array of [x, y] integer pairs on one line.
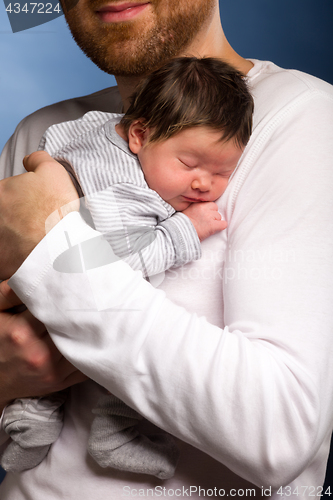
[[210, 42], [126, 87]]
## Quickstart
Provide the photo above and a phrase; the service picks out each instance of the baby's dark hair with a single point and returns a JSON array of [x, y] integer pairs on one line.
[[191, 92]]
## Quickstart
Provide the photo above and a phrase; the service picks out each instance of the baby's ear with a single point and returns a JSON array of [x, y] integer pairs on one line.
[[137, 136]]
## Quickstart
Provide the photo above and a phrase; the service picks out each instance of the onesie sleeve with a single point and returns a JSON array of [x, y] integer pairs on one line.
[[142, 229]]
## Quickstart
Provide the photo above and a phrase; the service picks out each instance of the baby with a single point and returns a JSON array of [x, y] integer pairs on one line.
[[149, 180]]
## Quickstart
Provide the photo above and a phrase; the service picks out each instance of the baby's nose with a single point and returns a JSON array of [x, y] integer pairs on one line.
[[202, 182]]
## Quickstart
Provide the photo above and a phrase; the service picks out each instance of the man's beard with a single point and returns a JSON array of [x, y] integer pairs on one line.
[[137, 48]]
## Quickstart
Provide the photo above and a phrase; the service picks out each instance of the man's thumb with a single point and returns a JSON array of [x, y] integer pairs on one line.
[[8, 298], [34, 160]]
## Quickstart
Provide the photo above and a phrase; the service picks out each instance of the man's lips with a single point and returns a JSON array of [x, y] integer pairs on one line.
[[120, 12]]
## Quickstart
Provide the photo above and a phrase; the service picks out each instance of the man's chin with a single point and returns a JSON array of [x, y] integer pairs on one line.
[[120, 53], [137, 48]]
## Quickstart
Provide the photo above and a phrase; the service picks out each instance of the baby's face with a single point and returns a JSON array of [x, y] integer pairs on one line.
[[190, 167]]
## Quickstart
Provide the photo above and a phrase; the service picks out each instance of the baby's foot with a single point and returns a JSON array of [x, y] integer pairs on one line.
[[17, 459], [156, 455]]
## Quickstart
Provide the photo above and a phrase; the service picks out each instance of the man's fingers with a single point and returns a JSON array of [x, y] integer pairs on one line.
[[64, 371], [34, 160], [69, 374], [74, 378], [30, 364], [49, 170], [34, 324], [8, 298]]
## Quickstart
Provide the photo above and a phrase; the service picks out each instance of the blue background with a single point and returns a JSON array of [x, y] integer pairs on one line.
[[43, 65]]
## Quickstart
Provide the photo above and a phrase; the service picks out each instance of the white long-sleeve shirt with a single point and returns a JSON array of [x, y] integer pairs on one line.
[[233, 353]]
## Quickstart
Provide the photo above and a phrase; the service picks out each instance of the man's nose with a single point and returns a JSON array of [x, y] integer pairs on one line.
[[202, 182]]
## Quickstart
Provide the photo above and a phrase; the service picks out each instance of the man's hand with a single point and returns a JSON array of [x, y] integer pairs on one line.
[[26, 201], [30, 364], [205, 218]]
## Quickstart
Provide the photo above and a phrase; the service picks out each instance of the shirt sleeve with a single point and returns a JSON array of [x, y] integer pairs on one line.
[[257, 394]]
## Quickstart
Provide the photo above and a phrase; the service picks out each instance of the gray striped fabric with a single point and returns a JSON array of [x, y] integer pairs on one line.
[[142, 228], [42, 409]]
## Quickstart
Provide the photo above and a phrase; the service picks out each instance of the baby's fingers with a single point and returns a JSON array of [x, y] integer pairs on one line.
[[219, 225]]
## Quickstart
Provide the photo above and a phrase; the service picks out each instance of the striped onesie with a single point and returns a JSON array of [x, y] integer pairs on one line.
[[146, 232], [122, 205]]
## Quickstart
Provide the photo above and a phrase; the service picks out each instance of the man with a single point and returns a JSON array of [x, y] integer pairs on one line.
[[250, 398]]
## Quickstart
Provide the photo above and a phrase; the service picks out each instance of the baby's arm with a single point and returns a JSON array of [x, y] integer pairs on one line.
[[206, 219], [142, 229], [176, 240]]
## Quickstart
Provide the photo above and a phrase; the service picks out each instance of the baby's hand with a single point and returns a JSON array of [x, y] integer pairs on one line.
[[205, 218]]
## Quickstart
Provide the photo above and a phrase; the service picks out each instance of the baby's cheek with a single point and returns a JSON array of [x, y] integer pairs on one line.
[[221, 187]]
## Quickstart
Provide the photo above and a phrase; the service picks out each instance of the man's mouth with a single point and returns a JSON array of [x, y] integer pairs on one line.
[[120, 12]]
